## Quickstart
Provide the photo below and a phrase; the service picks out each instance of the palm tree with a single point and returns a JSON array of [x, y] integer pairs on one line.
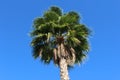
[[61, 38]]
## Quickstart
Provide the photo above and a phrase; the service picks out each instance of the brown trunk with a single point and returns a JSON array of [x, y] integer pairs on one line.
[[63, 69], [62, 61]]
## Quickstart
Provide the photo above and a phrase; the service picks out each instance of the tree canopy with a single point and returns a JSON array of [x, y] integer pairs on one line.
[[56, 28]]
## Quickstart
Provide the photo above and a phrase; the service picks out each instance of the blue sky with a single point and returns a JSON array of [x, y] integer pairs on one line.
[[16, 61]]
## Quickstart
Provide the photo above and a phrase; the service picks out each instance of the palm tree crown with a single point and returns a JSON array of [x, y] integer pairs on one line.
[[56, 35]]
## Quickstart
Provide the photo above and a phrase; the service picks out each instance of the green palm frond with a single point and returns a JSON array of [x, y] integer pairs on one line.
[[72, 41], [47, 55], [37, 22], [38, 39], [51, 16], [56, 10], [36, 51], [45, 28], [80, 54], [44, 52], [82, 30], [70, 18], [84, 45], [80, 57], [75, 17]]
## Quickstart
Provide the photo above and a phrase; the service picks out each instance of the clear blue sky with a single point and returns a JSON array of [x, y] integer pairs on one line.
[[16, 61]]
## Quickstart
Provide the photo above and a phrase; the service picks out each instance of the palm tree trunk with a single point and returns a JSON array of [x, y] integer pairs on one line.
[[63, 69]]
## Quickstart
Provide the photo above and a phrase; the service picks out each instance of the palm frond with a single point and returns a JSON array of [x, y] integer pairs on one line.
[[56, 10], [47, 55], [37, 40], [82, 30], [37, 22], [70, 18], [51, 16]]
